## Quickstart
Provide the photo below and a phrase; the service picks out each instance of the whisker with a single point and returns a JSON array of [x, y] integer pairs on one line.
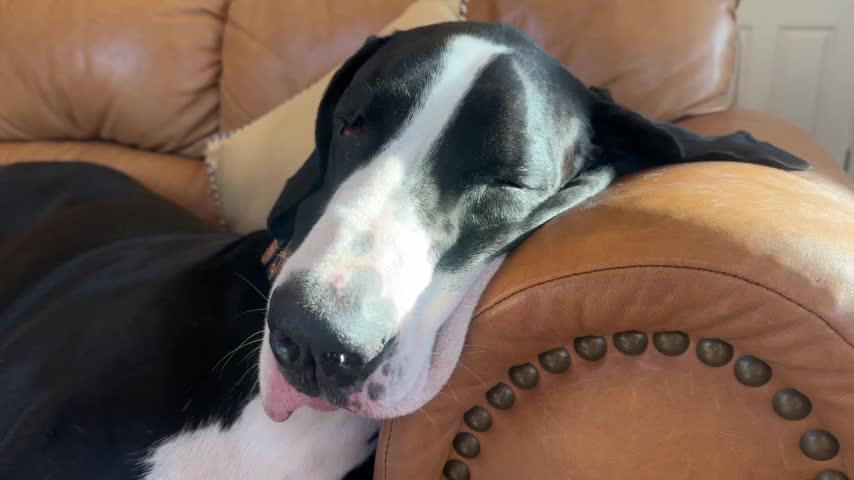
[[227, 357], [446, 395], [481, 346], [476, 376], [247, 372], [254, 351], [452, 391], [465, 367], [473, 352], [249, 311], [253, 286], [428, 417]]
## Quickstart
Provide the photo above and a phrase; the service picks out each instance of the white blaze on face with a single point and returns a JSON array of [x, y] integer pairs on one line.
[[379, 199]]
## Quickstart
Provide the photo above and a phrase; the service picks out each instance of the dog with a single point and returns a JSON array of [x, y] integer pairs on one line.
[[130, 331]]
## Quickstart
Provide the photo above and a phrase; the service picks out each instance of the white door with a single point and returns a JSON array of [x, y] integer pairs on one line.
[[796, 60]]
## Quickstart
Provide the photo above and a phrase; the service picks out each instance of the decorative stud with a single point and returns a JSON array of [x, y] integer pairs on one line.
[[555, 361], [632, 342], [671, 343], [752, 371], [478, 419], [590, 348], [524, 376], [456, 470], [831, 475], [791, 404], [819, 445], [501, 396], [466, 444], [714, 352]]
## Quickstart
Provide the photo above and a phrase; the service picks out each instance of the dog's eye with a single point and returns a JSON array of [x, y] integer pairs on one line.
[[353, 127], [507, 183]]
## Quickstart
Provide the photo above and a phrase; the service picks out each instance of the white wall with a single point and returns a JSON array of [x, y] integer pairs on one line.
[[796, 60]]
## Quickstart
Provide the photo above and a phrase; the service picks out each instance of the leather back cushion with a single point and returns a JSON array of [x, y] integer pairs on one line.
[[664, 58], [144, 74], [164, 75], [274, 49]]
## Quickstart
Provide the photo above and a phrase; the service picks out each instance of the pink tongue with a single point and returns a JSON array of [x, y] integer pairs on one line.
[[280, 399]]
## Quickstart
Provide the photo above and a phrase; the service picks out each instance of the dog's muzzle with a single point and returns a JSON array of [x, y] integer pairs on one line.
[[328, 336]]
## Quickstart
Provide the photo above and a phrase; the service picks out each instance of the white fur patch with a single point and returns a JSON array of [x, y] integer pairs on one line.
[[311, 444]]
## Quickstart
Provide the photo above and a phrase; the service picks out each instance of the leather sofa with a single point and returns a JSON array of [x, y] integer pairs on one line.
[[691, 322]]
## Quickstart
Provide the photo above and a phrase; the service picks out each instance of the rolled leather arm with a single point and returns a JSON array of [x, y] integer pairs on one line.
[[706, 313]]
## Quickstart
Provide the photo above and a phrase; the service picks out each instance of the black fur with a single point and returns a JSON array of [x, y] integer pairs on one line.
[[115, 306]]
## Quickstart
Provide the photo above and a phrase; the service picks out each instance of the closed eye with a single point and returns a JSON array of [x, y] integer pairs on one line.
[[353, 127], [508, 183]]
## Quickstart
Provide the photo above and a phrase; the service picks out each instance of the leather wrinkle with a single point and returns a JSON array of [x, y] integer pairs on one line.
[[748, 281]]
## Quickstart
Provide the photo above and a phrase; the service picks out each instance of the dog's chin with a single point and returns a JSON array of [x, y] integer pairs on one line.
[[426, 381]]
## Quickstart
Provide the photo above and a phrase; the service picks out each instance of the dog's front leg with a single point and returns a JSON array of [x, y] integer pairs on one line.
[[310, 444]]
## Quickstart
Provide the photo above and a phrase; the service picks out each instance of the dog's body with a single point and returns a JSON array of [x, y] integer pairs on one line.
[[126, 324], [129, 350]]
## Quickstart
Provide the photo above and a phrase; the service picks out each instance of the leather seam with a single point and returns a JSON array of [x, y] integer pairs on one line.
[[675, 267], [387, 448]]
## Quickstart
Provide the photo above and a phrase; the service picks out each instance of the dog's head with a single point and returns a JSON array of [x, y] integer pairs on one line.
[[437, 150]]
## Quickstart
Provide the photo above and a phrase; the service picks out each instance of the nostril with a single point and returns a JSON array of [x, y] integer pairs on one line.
[[346, 360], [286, 349]]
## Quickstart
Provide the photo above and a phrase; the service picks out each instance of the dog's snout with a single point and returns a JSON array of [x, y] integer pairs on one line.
[[323, 339], [309, 353], [301, 358]]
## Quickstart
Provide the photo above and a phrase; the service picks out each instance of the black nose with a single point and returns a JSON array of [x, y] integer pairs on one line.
[[285, 349], [300, 356], [323, 338]]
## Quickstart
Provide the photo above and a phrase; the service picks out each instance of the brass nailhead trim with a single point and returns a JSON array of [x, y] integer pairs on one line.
[[752, 371], [478, 419], [555, 361], [788, 403], [501, 396], [524, 376], [590, 348], [671, 343], [456, 470], [791, 404], [632, 342], [466, 444], [831, 475], [819, 445], [714, 352]]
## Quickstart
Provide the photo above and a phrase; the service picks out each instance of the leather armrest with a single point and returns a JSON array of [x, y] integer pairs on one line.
[[181, 180], [760, 259]]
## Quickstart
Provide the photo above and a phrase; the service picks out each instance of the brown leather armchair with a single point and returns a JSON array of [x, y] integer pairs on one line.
[[691, 322]]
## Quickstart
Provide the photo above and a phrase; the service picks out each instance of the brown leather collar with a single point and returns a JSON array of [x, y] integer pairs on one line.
[[274, 258]]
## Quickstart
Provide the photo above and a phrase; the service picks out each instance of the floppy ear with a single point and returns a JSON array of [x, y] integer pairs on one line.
[[308, 180], [623, 142], [630, 142]]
